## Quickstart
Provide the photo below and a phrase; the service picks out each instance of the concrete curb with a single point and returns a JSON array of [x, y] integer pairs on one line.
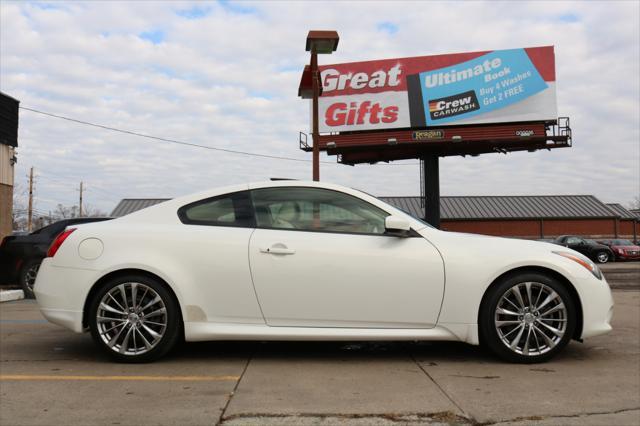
[[10, 295]]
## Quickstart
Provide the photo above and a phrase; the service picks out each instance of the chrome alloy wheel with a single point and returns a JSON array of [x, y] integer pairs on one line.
[[131, 318], [531, 318]]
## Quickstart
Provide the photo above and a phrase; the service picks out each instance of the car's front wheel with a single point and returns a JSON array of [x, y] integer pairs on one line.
[[134, 319], [527, 318], [603, 257]]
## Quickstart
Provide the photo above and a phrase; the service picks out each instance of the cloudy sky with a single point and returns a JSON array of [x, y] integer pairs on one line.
[[225, 74]]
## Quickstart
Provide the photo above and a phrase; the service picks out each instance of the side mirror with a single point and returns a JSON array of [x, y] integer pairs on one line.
[[397, 226]]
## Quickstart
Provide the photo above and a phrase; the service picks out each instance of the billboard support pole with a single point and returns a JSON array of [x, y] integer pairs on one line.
[[318, 42], [431, 175], [315, 130]]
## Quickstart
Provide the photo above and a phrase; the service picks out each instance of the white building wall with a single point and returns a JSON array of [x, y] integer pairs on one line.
[[6, 169]]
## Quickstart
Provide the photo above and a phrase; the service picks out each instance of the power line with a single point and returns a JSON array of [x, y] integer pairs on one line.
[[191, 144], [66, 179], [45, 181], [174, 141], [39, 211]]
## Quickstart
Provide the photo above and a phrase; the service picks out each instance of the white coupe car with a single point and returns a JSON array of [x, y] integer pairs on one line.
[[291, 260]]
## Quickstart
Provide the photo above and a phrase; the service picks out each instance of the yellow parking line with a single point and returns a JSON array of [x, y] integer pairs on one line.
[[8, 377]]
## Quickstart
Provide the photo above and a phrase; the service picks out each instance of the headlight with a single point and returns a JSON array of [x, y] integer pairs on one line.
[[583, 261]]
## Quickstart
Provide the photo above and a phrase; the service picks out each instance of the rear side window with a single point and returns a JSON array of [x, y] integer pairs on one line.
[[225, 210]]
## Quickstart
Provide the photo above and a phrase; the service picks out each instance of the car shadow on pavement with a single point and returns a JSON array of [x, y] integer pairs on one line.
[[423, 352], [58, 344], [300, 350]]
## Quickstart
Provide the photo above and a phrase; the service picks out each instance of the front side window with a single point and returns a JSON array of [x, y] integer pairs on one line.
[[574, 240], [226, 210], [315, 209]]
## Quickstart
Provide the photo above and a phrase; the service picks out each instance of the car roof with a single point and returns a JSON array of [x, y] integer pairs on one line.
[[166, 211]]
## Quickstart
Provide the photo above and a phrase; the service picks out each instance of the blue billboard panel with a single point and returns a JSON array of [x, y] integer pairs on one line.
[[487, 83]]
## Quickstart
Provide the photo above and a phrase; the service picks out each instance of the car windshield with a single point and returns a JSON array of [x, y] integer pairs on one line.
[[418, 219], [621, 243], [422, 221]]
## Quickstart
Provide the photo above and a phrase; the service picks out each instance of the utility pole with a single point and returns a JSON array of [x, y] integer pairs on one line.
[[80, 209], [30, 212]]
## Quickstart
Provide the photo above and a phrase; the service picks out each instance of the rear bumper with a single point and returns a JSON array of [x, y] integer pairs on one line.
[[67, 319], [61, 293]]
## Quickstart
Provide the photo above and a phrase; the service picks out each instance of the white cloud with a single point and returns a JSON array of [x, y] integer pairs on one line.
[[226, 75]]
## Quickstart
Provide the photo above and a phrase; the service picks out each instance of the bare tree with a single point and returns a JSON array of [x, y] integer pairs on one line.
[[635, 204], [66, 212], [90, 211], [19, 211], [69, 212]]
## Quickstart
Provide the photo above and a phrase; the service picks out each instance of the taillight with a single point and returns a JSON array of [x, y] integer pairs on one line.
[[53, 249]]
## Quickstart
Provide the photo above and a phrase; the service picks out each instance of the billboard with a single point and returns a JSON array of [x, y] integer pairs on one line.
[[497, 86]]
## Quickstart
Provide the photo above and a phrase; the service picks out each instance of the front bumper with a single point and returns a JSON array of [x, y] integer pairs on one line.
[[9, 269], [61, 293], [597, 306], [626, 256]]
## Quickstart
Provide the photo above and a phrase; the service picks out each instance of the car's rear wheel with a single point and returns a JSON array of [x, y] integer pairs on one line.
[[602, 257], [28, 275], [527, 318], [134, 319]]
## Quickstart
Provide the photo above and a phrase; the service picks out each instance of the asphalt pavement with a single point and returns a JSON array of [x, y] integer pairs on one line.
[[51, 376]]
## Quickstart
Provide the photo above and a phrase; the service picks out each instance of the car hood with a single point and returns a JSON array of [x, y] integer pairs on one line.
[[634, 248], [485, 244], [491, 256]]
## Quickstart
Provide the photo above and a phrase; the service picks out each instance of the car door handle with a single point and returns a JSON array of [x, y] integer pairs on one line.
[[278, 249]]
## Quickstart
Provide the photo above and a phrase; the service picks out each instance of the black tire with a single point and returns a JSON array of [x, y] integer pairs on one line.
[[603, 256], [488, 316], [171, 331], [28, 275]]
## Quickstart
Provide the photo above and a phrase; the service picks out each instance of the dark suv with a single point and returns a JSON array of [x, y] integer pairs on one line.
[[593, 250], [21, 255]]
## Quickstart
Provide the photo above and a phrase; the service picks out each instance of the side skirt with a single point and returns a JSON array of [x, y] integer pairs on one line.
[[205, 331]]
